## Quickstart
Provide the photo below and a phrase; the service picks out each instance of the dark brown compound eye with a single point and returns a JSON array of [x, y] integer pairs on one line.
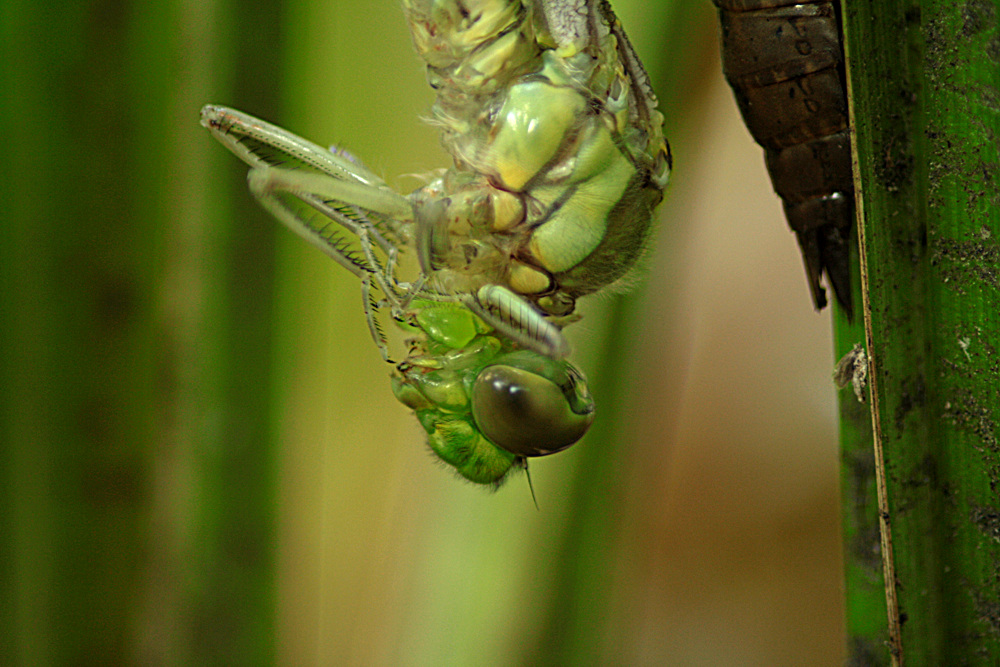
[[530, 414]]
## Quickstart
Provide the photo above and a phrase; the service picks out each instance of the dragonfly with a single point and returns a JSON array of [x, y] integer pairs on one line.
[[559, 161]]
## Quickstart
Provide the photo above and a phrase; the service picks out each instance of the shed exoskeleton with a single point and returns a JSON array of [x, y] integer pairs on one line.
[[785, 64]]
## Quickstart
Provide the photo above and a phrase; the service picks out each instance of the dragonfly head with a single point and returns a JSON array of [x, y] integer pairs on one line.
[[485, 413], [531, 405]]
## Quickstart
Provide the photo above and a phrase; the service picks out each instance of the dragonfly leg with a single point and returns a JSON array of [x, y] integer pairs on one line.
[[371, 316], [335, 176], [411, 290], [342, 229], [514, 317]]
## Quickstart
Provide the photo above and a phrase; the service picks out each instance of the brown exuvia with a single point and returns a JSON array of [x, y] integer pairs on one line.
[[785, 64]]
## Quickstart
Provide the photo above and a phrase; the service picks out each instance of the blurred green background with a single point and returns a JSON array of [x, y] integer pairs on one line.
[[202, 462]]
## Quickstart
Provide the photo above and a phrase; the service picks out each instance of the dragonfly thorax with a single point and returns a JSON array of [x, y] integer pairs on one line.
[[558, 149]]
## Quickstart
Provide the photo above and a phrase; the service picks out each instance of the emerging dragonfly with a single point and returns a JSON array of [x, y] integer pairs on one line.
[[559, 161]]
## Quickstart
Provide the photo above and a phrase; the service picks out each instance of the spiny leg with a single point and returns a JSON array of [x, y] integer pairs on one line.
[[261, 144], [323, 224], [309, 203], [517, 319], [301, 213], [374, 328]]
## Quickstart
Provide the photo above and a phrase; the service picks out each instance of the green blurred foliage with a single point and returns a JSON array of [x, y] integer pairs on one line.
[[202, 459]]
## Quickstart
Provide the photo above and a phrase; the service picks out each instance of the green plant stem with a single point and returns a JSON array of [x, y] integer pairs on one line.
[[136, 478], [924, 82]]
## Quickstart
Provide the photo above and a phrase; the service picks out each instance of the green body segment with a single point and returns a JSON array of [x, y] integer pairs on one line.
[[485, 404]]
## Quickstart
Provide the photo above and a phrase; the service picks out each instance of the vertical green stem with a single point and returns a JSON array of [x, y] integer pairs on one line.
[[924, 81], [135, 477]]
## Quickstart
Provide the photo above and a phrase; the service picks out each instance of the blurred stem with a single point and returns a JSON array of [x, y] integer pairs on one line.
[[924, 81], [77, 269], [134, 468]]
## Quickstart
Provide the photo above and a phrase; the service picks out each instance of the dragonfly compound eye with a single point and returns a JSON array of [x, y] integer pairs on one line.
[[528, 413]]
